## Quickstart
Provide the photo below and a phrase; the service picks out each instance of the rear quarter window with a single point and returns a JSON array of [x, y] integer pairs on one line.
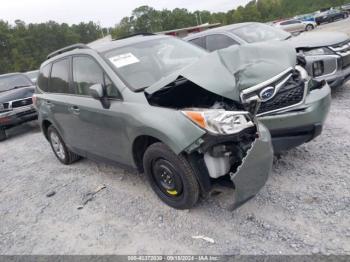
[[59, 80], [43, 79]]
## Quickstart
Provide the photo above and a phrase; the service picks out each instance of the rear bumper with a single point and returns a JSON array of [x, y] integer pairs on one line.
[[17, 116], [301, 124]]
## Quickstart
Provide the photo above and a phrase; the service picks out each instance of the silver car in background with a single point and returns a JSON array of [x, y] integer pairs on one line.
[[325, 55], [295, 26]]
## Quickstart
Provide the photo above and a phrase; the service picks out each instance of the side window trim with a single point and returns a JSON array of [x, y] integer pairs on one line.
[[104, 74]]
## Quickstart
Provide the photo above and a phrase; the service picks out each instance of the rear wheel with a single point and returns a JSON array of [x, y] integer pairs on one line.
[[3, 135], [171, 177], [63, 154]]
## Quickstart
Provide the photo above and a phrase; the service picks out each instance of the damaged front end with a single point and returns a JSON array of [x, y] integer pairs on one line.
[[241, 161], [236, 150]]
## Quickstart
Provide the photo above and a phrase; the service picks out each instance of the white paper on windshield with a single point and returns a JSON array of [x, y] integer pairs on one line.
[[124, 60]]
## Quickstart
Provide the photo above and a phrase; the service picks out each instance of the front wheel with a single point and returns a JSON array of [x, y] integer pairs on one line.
[[171, 177], [63, 154]]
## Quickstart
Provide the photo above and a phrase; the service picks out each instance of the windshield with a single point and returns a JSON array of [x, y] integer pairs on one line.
[[259, 33], [145, 63], [13, 81]]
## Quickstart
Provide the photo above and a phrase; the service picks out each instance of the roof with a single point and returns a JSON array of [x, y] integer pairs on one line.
[[106, 46], [219, 29], [190, 28], [101, 47]]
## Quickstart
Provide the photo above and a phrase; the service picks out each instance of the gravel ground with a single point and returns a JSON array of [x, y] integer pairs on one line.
[[303, 209]]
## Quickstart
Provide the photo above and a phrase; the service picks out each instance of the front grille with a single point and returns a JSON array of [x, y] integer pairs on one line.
[[22, 102], [288, 91], [284, 98]]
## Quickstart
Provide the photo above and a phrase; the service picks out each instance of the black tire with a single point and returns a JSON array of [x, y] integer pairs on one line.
[[68, 157], [309, 27], [159, 158], [3, 135]]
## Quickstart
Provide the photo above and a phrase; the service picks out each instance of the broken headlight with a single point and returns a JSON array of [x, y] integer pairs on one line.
[[220, 121]]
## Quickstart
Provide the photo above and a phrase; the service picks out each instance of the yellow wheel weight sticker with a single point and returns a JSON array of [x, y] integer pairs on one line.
[[173, 193]]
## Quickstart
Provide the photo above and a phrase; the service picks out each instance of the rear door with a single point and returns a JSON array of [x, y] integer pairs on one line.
[[57, 99]]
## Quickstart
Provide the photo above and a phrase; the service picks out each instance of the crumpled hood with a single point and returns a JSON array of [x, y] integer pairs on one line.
[[16, 94], [317, 39], [229, 71]]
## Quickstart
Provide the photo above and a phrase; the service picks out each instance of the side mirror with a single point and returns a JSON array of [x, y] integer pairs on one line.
[[96, 91]]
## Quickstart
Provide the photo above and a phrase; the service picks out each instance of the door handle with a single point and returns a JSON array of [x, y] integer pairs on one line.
[[75, 109]]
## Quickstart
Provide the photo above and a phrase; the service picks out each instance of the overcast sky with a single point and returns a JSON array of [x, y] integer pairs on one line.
[[108, 12]]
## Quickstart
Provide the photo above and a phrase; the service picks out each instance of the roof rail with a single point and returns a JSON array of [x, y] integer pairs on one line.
[[67, 48], [137, 34]]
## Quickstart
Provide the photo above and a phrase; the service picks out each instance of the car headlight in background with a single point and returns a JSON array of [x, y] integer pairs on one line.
[[318, 51], [220, 121]]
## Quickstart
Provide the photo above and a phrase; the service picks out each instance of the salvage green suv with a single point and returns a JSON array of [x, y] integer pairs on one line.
[[153, 104]]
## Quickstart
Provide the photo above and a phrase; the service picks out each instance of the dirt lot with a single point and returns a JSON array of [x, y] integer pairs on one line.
[[303, 209]]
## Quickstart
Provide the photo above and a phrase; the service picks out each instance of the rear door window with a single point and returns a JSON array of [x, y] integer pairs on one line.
[[217, 42], [59, 80]]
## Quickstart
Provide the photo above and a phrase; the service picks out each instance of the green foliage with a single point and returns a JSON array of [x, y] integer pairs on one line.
[[147, 19], [24, 47]]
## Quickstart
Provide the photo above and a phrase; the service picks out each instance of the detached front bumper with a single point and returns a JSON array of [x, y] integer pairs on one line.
[[252, 175], [300, 124], [17, 116]]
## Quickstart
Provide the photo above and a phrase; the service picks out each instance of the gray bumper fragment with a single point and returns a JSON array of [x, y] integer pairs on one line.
[[254, 171]]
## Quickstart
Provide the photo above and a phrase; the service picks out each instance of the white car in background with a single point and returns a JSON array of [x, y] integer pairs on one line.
[[295, 26]]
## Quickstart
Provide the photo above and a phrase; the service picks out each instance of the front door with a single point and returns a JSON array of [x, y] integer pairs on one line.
[[100, 130]]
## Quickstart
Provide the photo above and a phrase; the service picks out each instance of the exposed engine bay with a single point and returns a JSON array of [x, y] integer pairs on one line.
[[183, 93]]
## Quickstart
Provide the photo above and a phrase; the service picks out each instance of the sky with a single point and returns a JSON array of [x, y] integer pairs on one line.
[[107, 12]]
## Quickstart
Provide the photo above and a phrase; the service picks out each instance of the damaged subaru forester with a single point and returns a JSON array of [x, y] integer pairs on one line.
[[163, 107]]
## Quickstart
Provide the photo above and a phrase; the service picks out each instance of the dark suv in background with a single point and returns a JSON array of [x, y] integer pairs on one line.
[[331, 16], [16, 105]]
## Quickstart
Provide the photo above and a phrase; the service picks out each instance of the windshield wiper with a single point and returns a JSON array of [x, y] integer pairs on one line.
[[288, 37]]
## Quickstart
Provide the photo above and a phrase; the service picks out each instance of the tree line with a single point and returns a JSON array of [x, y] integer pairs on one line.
[[24, 47], [148, 19]]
